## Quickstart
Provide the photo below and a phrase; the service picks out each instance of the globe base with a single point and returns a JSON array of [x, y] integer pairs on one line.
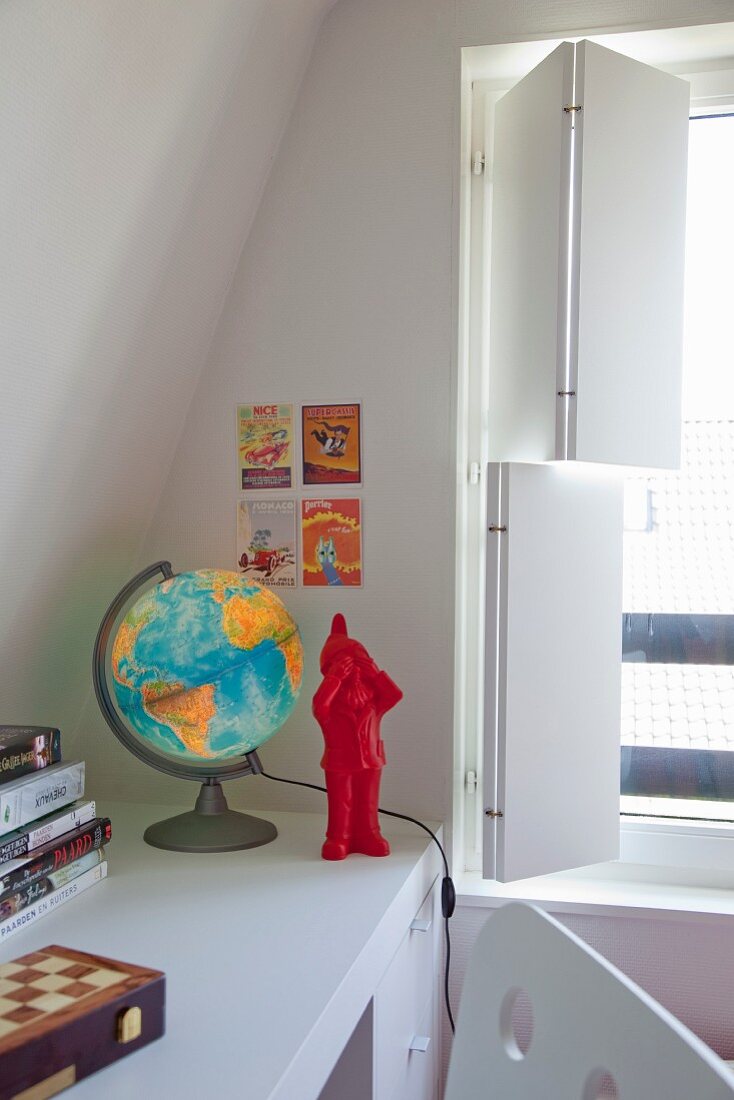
[[210, 827]]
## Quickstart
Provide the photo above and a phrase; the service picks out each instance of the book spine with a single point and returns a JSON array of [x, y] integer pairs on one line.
[[11, 733], [32, 798], [10, 904], [67, 850], [25, 841], [29, 755], [14, 736], [13, 903], [56, 898], [76, 870]]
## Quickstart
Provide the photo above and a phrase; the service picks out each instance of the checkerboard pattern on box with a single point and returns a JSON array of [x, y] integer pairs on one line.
[[44, 982], [65, 1014]]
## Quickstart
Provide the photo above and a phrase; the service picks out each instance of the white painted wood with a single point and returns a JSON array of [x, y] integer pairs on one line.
[[631, 147], [493, 646], [557, 622], [528, 177], [587, 1017], [352, 1074], [419, 1078], [478, 104], [697, 896], [271, 955], [586, 261], [401, 1002]]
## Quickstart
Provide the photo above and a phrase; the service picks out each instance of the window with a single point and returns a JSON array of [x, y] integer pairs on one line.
[[712, 89], [678, 626]]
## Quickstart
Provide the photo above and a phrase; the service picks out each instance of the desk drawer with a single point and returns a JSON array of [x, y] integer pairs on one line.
[[404, 1000], [418, 1077]]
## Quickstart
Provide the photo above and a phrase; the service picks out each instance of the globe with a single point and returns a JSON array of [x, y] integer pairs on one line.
[[206, 666]]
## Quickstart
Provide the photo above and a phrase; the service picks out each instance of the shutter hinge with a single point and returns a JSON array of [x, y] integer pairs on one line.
[[478, 162], [572, 107], [493, 813], [471, 782], [475, 473], [496, 529]]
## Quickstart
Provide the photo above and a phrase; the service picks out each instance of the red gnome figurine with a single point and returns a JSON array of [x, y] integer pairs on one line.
[[348, 705]]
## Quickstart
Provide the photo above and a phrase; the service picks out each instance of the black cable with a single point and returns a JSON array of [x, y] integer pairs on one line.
[[448, 892]]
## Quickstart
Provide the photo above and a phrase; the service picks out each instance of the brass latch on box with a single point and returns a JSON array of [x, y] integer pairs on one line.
[[129, 1024]]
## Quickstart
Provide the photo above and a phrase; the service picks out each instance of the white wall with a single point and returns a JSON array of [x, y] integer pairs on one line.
[[346, 290], [136, 139]]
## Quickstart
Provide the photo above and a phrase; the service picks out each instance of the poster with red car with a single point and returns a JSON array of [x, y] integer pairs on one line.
[[266, 541], [265, 446]]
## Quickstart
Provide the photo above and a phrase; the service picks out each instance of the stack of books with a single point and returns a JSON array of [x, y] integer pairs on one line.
[[51, 839]]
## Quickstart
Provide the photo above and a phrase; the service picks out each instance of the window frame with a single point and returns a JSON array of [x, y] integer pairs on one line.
[[654, 841]]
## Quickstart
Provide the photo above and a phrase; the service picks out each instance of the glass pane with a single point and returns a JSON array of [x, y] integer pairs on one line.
[[678, 626]]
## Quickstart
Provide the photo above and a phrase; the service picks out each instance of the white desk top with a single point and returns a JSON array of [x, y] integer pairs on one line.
[[271, 955]]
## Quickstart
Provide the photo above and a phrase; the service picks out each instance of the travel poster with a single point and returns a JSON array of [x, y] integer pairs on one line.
[[265, 446], [331, 444], [266, 541], [331, 542]]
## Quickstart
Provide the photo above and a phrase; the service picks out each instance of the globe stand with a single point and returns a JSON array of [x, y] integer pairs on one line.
[[210, 827]]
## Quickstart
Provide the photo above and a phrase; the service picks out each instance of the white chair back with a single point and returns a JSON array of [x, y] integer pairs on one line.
[[594, 1034]]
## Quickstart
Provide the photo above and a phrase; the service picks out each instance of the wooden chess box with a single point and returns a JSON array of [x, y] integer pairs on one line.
[[65, 1014]]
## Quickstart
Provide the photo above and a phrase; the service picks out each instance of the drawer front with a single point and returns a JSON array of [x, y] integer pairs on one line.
[[403, 998], [418, 1078]]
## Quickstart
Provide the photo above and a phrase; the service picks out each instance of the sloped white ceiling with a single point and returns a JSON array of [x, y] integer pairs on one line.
[[136, 140]]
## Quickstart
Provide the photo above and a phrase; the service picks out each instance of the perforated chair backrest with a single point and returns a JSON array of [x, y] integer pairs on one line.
[[594, 1033]]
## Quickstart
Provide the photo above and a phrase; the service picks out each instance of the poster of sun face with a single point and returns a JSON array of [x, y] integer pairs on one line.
[[331, 540], [332, 444], [265, 446], [266, 541]]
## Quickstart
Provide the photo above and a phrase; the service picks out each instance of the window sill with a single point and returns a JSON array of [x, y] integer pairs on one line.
[[612, 889], [703, 846]]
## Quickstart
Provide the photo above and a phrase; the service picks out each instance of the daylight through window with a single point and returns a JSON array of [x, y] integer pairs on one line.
[[678, 625]]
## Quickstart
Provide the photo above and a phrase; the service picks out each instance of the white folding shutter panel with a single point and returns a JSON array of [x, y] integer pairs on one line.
[[530, 180], [558, 622], [631, 140], [493, 656]]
